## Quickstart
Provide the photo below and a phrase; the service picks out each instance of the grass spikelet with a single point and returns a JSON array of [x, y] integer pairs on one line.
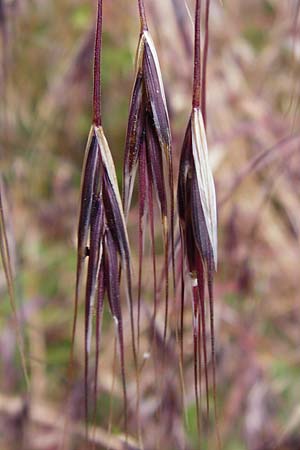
[[7, 266], [148, 147], [198, 215], [102, 238]]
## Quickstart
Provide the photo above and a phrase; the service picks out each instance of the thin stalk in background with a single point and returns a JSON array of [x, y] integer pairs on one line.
[[204, 65], [6, 261]]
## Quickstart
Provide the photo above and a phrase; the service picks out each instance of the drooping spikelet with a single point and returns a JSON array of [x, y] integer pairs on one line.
[[148, 149], [198, 213], [102, 236]]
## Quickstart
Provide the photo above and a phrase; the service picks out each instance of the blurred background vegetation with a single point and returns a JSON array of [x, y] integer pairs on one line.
[[254, 141]]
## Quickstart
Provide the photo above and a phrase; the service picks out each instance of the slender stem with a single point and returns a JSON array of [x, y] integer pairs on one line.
[[204, 67], [97, 68], [197, 58], [142, 13]]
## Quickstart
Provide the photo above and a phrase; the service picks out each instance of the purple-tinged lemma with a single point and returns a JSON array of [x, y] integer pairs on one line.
[[102, 236], [148, 147], [198, 213]]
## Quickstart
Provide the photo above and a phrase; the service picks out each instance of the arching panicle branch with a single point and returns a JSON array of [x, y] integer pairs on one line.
[[197, 58], [97, 69]]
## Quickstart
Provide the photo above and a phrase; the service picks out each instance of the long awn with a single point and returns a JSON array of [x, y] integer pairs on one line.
[[102, 237], [149, 151], [198, 216]]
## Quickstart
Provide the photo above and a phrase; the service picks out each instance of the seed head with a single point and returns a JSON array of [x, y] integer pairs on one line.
[[148, 147]]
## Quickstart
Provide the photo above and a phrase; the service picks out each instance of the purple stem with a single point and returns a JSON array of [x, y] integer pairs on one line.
[[142, 13], [197, 58], [97, 120]]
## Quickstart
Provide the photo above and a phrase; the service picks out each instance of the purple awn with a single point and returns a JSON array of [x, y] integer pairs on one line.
[[102, 237], [198, 215]]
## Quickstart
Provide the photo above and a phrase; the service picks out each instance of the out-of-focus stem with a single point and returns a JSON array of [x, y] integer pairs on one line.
[[204, 67]]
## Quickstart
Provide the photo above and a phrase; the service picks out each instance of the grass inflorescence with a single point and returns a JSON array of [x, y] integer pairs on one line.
[[198, 215], [102, 237], [102, 234], [148, 150]]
